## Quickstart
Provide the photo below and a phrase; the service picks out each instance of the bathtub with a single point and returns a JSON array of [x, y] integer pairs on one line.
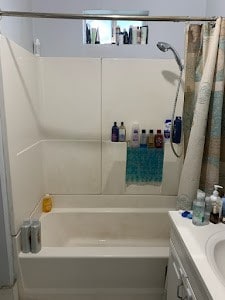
[[98, 254]]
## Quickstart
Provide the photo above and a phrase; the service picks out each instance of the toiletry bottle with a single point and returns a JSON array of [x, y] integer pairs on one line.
[[125, 37], [151, 142], [47, 203], [199, 209], [25, 236], [37, 47], [130, 34], [223, 210], [158, 139], [143, 140], [208, 210], [214, 216], [167, 129], [122, 133], [215, 198], [97, 39], [115, 133], [117, 35], [138, 35], [135, 135], [144, 35], [35, 236], [177, 130]]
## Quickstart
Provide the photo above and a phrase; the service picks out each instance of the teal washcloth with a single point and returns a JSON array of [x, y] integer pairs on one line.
[[144, 166]]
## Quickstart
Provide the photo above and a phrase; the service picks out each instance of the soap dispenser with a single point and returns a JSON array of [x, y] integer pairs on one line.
[[216, 200]]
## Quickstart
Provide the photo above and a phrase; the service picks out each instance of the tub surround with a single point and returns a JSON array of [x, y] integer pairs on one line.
[[193, 240]]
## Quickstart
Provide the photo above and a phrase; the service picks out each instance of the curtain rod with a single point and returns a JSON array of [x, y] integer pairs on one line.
[[24, 14]]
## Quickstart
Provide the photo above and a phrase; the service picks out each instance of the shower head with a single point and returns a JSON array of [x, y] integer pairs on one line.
[[165, 47]]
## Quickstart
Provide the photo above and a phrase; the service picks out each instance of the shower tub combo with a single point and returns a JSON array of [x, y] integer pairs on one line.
[[98, 253]]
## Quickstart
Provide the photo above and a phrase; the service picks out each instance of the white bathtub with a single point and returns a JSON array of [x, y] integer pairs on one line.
[[98, 254]]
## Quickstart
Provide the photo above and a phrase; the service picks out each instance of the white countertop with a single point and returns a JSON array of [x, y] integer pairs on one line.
[[195, 239]]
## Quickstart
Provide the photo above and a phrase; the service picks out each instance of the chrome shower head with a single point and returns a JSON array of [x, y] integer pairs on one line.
[[165, 47]]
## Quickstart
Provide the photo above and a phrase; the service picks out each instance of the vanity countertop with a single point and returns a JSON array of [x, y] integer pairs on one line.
[[195, 239]]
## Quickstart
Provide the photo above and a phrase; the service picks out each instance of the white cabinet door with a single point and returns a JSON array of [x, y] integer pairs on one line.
[[174, 280]]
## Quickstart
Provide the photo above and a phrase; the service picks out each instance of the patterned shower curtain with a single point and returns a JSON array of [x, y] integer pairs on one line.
[[203, 113]]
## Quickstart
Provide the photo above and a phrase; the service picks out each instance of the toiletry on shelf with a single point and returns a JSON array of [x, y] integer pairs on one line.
[[158, 139], [199, 209], [134, 35], [115, 133], [97, 39], [117, 35], [35, 236], [37, 47], [214, 216], [167, 130], [138, 35], [150, 139], [143, 140], [125, 37], [122, 133], [88, 34], [144, 35], [177, 130], [93, 35], [130, 34], [135, 135], [25, 236], [47, 203]]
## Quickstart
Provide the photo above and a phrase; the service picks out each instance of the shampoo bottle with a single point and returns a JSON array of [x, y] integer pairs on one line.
[[47, 203], [158, 139], [115, 133], [143, 142], [151, 142], [122, 133], [177, 130], [135, 136]]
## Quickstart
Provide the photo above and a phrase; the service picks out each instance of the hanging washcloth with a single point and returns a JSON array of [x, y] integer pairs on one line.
[[144, 166]]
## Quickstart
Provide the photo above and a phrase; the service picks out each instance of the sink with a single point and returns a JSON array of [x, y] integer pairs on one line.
[[215, 251]]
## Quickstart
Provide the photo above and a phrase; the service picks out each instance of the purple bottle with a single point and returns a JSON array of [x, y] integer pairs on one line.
[[115, 133]]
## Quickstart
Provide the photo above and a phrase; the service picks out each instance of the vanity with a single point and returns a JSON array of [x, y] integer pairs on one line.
[[196, 269]]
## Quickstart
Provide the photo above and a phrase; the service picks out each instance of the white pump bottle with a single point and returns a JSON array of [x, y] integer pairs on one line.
[[215, 198]]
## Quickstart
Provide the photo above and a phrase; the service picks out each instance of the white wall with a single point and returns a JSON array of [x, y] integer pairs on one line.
[[22, 110], [64, 38], [19, 30], [215, 8]]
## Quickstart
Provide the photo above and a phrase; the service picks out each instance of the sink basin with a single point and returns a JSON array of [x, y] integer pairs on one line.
[[215, 251]]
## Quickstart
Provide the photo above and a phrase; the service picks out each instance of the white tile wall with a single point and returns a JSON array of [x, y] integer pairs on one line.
[[72, 167], [22, 110], [140, 90], [71, 102]]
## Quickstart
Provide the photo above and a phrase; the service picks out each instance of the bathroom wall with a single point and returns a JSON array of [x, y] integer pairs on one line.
[[81, 97], [19, 30], [215, 8], [22, 110], [65, 37]]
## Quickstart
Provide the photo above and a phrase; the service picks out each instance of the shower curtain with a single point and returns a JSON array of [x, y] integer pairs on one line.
[[204, 113]]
